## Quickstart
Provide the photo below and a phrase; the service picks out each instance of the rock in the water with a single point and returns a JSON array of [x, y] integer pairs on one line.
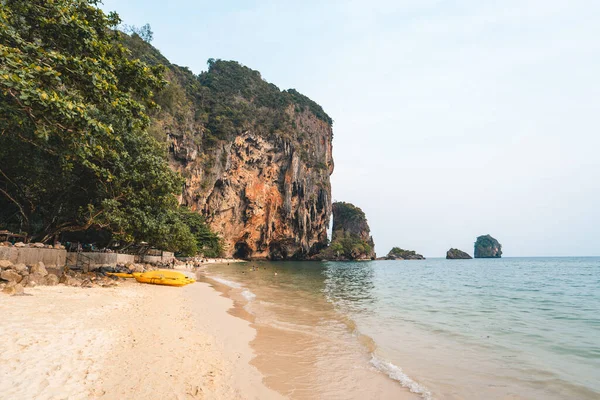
[[487, 247], [39, 269], [51, 280], [11, 276], [456, 254], [400, 254], [5, 264], [351, 239]]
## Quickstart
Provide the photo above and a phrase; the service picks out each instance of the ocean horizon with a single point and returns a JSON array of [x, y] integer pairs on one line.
[[512, 327]]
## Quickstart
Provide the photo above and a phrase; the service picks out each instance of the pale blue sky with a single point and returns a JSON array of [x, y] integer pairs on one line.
[[452, 118]]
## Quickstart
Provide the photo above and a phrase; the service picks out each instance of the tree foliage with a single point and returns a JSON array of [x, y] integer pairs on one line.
[[144, 32], [208, 243], [74, 151]]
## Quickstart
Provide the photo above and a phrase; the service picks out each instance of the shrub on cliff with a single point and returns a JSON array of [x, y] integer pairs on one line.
[[346, 246], [74, 151]]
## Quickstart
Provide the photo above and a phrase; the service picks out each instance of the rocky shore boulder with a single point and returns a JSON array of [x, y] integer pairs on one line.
[[397, 253], [456, 254], [487, 247]]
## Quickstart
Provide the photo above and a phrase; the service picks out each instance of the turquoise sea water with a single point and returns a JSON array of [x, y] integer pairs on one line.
[[511, 328]]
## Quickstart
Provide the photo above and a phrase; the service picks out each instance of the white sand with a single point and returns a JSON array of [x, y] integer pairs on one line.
[[131, 342]]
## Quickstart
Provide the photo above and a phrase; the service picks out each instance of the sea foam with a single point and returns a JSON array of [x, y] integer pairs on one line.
[[226, 282], [396, 373], [248, 295]]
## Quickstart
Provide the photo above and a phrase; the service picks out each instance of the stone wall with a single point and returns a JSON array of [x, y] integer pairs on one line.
[[31, 256], [100, 259], [165, 258]]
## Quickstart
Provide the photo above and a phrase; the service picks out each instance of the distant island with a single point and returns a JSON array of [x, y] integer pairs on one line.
[[487, 247], [456, 254], [397, 253]]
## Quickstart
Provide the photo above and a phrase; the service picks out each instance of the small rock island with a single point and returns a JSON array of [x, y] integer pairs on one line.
[[397, 253], [456, 254], [487, 247], [351, 238]]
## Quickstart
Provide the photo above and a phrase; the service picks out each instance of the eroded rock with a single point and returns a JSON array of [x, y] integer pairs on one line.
[[39, 269], [11, 276], [456, 254]]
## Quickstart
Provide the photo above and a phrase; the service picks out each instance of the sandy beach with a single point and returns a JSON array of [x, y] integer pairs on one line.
[[132, 341]]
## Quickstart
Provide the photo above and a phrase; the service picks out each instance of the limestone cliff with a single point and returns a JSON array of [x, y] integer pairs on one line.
[[256, 160], [487, 247], [351, 239]]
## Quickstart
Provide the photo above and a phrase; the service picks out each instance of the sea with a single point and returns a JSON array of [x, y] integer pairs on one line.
[[509, 328]]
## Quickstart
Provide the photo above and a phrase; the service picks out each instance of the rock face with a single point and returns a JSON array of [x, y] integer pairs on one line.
[[397, 253], [265, 200], [487, 247], [256, 160], [456, 254], [351, 239]]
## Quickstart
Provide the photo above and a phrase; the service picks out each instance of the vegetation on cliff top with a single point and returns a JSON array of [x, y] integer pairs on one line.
[[224, 101], [74, 149]]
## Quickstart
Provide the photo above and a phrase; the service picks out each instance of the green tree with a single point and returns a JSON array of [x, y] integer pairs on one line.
[[207, 242], [74, 152]]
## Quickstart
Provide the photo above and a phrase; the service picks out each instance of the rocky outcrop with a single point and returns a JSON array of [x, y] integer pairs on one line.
[[15, 277], [456, 254], [268, 197], [256, 160], [487, 247], [351, 238], [397, 253]]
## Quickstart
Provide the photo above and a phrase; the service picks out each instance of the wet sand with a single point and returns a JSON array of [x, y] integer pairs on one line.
[[306, 352]]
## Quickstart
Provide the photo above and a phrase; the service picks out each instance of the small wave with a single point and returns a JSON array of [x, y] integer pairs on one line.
[[226, 282], [397, 374], [248, 295]]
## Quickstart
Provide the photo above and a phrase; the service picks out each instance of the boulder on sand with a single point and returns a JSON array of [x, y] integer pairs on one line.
[[39, 269], [11, 276]]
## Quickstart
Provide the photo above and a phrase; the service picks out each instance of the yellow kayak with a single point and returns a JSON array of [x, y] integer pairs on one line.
[[120, 274], [162, 277]]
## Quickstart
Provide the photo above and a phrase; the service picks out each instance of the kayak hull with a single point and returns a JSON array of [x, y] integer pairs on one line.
[[120, 274], [165, 278]]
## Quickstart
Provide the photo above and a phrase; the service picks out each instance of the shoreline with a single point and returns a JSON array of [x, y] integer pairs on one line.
[[132, 341], [293, 360]]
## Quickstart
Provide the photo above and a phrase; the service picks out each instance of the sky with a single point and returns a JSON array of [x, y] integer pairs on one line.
[[452, 119]]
